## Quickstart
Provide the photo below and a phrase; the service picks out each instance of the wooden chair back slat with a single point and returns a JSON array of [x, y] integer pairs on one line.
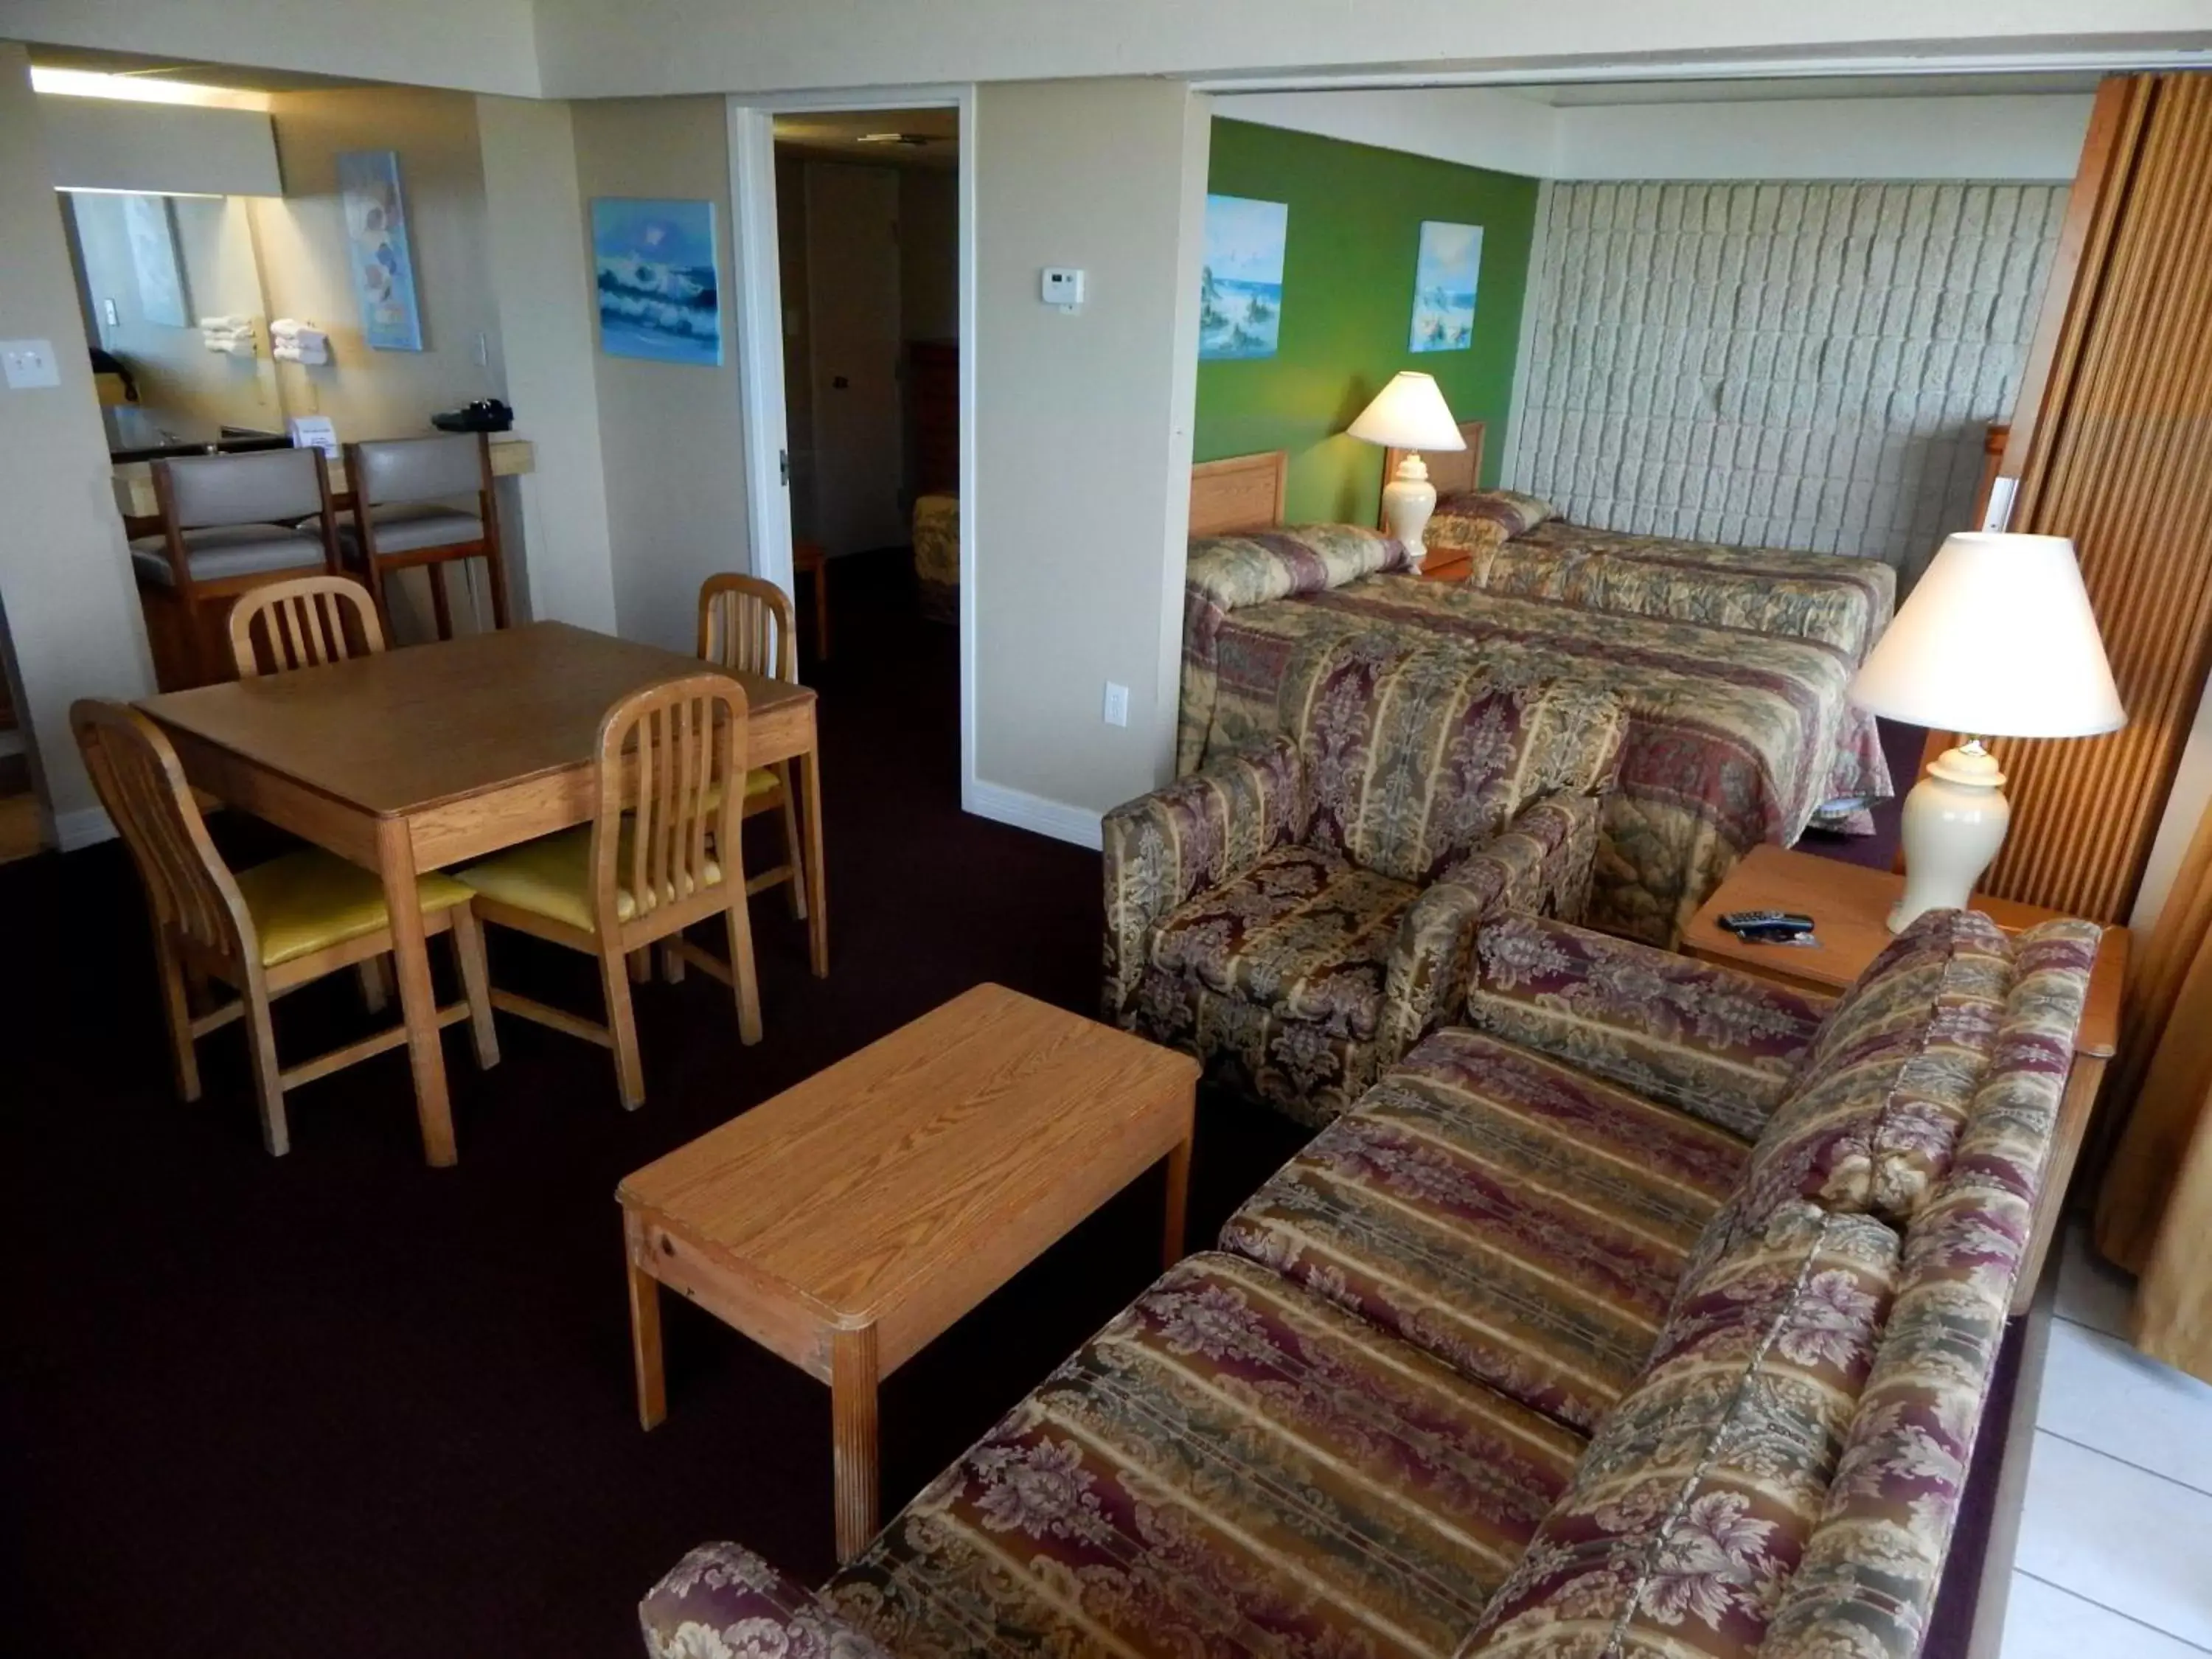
[[141, 785], [303, 623], [748, 625], [661, 752]]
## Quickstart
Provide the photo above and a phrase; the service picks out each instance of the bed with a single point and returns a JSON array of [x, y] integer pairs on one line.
[[1736, 736], [1502, 542], [936, 555]]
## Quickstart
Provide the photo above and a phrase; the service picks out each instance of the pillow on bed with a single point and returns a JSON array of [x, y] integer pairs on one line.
[[1475, 517]]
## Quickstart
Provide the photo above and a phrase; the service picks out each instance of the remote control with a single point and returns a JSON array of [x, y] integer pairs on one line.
[[1775, 932], [1737, 920]]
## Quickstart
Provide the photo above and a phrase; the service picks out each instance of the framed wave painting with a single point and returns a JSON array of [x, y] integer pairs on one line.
[[1444, 280], [1240, 296], [659, 298]]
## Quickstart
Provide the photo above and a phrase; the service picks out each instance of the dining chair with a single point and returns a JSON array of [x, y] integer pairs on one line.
[[650, 863], [229, 524], [424, 503], [263, 931], [303, 623], [749, 626]]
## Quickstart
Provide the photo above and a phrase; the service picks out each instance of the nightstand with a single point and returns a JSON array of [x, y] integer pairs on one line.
[[1849, 907]]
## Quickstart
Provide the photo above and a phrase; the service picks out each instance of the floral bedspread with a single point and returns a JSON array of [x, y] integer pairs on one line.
[[1830, 598], [1735, 737], [936, 554]]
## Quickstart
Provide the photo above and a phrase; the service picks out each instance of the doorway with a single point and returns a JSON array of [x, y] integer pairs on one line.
[[855, 288]]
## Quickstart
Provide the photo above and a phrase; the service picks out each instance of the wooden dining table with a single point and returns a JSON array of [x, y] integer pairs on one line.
[[431, 755]]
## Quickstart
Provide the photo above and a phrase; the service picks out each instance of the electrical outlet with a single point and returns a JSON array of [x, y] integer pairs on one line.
[[107, 310], [483, 350], [30, 364], [1117, 704]]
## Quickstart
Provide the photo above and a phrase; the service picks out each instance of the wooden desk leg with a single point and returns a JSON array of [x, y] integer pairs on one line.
[[418, 1001], [644, 1329], [1178, 1202], [853, 1436], [818, 899]]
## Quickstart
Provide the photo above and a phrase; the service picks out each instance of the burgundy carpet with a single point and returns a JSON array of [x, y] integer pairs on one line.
[[341, 1404]]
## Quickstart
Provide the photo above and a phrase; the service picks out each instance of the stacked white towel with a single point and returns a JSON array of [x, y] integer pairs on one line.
[[295, 341], [231, 335]]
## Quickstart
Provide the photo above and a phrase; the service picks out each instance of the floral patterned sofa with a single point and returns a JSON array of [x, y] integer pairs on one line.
[[1649, 1315], [1299, 915]]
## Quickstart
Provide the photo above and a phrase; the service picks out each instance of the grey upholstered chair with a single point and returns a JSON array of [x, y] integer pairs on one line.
[[427, 502], [229, 523]]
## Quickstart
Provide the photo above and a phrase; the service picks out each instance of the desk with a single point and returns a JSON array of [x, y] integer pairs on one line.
[[511, 457], [433, 754], [1849, 907]]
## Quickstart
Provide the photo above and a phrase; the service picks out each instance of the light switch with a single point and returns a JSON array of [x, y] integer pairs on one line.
[[30, 364]]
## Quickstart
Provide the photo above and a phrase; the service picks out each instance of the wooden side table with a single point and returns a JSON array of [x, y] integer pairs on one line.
[[848, 1222], [808, 559], [1849, 907]]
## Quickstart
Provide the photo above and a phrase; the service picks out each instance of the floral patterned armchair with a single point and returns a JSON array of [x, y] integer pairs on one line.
[[1300, 915]]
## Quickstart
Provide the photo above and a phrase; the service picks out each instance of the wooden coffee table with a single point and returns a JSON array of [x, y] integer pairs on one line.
[[848, 1222]]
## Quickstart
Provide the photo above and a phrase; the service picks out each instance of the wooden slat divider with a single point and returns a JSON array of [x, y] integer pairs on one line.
[[2112, 446]]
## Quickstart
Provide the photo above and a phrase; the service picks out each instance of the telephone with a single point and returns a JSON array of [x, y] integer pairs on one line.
[[485, 415]]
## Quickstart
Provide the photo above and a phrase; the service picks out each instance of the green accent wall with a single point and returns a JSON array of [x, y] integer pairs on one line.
[[1354, 234]]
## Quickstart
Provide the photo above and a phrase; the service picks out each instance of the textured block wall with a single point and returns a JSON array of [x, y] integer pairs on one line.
[[1782, 364]]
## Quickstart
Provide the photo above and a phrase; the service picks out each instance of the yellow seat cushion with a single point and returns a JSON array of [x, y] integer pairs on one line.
[[759, 782], [310, 900], [551, 877]]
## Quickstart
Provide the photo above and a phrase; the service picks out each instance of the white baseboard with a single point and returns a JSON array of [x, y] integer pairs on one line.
[[1034, 812], [86, 827]]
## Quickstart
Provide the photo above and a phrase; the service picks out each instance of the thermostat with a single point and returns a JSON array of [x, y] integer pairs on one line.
[[1062, 287]]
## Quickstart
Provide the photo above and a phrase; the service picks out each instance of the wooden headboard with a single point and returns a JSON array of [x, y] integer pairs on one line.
[[1243, 492], [1449, 470]]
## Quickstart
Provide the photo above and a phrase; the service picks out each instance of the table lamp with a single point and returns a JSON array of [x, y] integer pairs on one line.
[[1996, 641], [1409, 414]]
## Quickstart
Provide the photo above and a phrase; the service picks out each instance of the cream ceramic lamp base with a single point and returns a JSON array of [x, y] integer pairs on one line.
[[1954, 821], [1408, 500]]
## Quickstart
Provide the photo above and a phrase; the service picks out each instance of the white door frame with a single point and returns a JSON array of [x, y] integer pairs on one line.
[[760, 342]]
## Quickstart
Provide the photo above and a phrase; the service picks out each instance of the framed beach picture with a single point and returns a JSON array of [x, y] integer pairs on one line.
[[658, 295], [152, 231], [1444, 279], [383, 264], [1240, 297]]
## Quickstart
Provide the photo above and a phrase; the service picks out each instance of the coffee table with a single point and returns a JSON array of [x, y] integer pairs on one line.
[[848, 1222]]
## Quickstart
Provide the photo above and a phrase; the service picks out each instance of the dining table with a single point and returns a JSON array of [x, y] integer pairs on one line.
[[430, 756]]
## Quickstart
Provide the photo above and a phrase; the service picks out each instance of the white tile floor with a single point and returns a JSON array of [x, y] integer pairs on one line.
[[2115, 1552]]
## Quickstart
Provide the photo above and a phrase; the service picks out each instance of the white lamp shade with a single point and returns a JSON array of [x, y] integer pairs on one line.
[[1996, 640], [1409, 413]]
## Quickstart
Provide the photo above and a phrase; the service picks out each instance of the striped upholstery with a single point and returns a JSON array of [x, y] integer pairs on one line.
[[1692, 1507], [1871, 1124], [1519, 1219], [1231, 1467]]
